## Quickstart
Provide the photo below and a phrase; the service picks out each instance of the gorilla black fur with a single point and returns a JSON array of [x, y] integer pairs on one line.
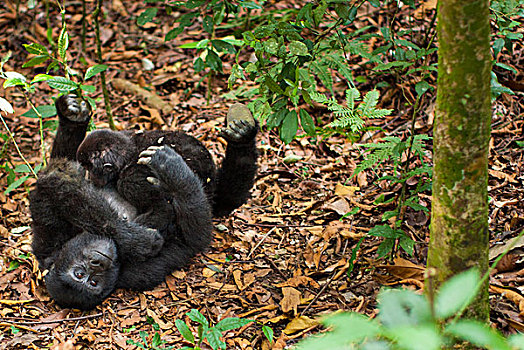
[[148, 219]]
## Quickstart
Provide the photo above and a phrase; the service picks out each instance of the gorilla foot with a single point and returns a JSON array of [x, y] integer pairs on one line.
[[73, 108], [240, 124]]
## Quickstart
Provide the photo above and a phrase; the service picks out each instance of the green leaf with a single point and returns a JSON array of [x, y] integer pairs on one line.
[[307, 122], [94, 70], [62, 84], [383, 231], [407, 244], [5, 106], [195, 315], [422, 87], [173, 33], [297, 48], [207, 23], [268, 332], [517, 341], [231, 323], [385, 247], [213, 337], [22, 168], [36, 49], [147, 16], [420, 337], [213, 61], [35, 61], [63, 43], [361, 327], [478, 334], [459, 291], [223, 46], [272, 85], [41, 77], [9, 82], [88, 88], [46, 111], [14, 185], [289, 127], [185, 331], [402, 308]]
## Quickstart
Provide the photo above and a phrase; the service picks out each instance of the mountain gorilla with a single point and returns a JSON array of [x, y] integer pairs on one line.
[[145, 210]]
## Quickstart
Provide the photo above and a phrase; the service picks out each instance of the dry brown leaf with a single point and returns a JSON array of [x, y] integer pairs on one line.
[[503, 176], [299, 281], [57, 316], [345, 191], [405, 269], [237, 276], [362, 179], [299, 324], [291, 299], [259, 310], [339, 206], [511, 295], [515, 324], [159, 321]]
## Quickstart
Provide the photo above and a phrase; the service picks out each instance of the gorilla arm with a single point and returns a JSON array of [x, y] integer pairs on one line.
[[237, 173], [73, 120], [190, 226]]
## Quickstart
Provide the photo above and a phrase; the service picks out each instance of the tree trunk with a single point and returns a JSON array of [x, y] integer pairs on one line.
[[459, 219]]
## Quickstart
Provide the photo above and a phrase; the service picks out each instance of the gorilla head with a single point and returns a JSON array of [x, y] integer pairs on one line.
[[84, 273], [104, 154]]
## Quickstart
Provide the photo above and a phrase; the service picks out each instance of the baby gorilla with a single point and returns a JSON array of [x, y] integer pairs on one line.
[[110, 158], [144, 220]]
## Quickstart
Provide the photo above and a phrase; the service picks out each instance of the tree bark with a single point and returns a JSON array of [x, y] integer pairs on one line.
[[459, 220]]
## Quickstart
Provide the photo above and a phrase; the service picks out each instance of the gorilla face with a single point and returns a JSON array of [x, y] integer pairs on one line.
[[85, 272]]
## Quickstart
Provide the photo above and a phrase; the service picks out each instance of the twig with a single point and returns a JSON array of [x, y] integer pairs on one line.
[[260, 242], [40, 127], [11, 136], [70, 319], [107, 103]]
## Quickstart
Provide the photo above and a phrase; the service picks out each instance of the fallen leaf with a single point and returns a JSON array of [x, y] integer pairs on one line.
[[299, 324], [291, 299], [345, 191], [405, 269]]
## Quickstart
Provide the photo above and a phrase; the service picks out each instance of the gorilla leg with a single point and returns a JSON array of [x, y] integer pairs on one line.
[[237, 173], [73, 119]]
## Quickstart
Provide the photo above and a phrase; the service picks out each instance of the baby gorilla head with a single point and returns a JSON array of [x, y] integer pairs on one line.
[[84, 273], [104, 154]]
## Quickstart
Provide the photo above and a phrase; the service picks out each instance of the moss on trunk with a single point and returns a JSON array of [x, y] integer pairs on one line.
[[459, 220]]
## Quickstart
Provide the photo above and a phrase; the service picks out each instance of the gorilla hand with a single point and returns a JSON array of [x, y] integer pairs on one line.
[[240, 124], [73, 108]]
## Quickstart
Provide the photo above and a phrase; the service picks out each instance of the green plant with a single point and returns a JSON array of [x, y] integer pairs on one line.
[[212, 333], [213, 13], [64, 84], [352, 117], [407, 320], [154, 343]]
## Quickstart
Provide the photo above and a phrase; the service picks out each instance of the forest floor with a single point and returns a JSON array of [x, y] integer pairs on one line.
[[281, 259]]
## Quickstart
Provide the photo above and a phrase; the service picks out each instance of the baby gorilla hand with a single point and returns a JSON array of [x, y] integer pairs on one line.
[[73, 109], [240, 124]]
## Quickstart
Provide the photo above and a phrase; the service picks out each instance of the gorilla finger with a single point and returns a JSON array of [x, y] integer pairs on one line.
[[153, 180], [144, 160]]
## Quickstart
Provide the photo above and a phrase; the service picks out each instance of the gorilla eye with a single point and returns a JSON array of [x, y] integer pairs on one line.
[[79, 274], [93, 283]]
